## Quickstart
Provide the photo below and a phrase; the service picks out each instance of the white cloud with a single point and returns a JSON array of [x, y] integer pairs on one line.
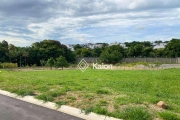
[[16, 41], [84, 20]]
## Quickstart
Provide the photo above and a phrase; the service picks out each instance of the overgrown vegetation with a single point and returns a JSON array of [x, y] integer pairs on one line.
[[8, 65], [121, 94], [40, 52]]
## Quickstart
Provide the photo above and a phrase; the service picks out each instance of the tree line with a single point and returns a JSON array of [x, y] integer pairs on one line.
[[37, 54], [53, 53], [114, 53]]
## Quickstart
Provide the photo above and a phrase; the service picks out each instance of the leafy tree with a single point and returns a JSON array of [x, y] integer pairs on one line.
[[152, 54], [96, 52], [147, 51], [70, 56], [43, 62], [135, 50], [12, 54], [146, 44], [50, 48], [34, 56], [46, 49], [86, 52], [112, 54], [110, 57], [3, 51], [77, 52], [132, 43], [172, 49], [159, 52], [83, 52], [104, 46], [61, 62], [20, 52], [158, 41], [77, 46], [25, 54], [11, 47], [50, 63]]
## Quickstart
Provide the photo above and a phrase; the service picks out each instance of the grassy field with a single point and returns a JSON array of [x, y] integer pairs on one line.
[[127, 94]]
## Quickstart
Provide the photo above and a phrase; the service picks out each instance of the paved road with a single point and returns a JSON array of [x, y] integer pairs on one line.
[[13, 109]]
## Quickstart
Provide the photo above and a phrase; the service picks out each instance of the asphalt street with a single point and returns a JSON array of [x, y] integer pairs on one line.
[[13, 109]]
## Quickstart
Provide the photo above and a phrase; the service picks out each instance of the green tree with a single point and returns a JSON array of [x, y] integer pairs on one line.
[[147, 51], [96, 52], [61, 62], [25, 54], [135, 51], [3, 51], [146, 44], [43, 62], [83, 52], [77, 46], [172, 49], [20, 52], [159, 52], [112, 54], [86, 52], [50, 63], [48, 48], [77, 52], [12, 54]]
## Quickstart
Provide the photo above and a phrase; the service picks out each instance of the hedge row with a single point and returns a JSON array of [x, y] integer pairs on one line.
[[8, 65]]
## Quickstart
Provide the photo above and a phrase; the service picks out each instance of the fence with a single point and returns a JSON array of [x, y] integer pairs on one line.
[[129, 60]]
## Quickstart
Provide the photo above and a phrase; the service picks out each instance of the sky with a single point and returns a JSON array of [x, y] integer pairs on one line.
[[23, 22]]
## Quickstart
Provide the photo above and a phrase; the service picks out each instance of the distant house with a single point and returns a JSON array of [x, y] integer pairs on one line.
[[114, 43], [123, 45], [98, 45], [91, 45], [71, 46], [159, 45]]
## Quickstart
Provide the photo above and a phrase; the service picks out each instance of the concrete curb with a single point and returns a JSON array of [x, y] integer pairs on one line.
[[65, 109]]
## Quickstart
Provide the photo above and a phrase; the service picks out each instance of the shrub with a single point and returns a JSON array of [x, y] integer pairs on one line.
[[8, 65]]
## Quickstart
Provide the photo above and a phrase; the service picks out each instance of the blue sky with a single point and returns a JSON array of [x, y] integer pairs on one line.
[[80, 21]]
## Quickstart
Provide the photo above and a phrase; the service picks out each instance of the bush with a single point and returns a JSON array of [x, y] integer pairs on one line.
[[8, 65]]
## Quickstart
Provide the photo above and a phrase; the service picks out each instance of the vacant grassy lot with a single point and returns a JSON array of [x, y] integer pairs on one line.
[[123, 94]]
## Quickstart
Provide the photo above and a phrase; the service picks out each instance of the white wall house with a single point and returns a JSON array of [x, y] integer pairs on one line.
[[71, 46], [114, 43], [159, 45], [123, 45]]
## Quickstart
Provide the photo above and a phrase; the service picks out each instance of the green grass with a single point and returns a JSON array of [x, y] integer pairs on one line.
[[100, 91], [136, 113], [169, 116]]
